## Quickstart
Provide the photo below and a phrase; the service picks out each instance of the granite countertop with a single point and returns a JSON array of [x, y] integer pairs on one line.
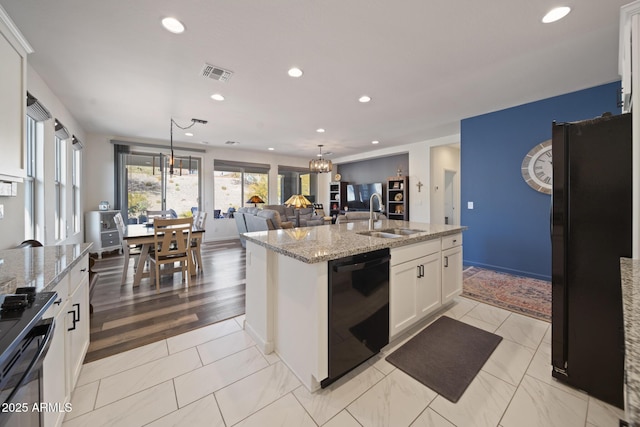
[[42, 267], [630, 271], [327, 242]]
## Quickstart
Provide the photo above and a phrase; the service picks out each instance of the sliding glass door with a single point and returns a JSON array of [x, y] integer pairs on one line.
[[144, 183]]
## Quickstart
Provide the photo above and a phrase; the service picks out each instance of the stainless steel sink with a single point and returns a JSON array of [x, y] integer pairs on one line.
[[390, 233], [402, 231], [380, 234]]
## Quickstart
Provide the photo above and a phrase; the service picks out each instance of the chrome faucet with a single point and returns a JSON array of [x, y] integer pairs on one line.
[[371, 208]]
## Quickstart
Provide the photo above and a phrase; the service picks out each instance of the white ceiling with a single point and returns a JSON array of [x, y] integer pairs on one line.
[[427, 64]]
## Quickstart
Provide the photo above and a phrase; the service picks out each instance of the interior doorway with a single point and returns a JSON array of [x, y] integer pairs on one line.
[[449, 197]]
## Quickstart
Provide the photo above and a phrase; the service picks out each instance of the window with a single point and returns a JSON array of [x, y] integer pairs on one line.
[[30, 181], [144, 183], [236, 182], [75, 182], [292, 180], [59, 166]]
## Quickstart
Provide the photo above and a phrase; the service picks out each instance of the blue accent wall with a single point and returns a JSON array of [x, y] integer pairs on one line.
[[509, 225]]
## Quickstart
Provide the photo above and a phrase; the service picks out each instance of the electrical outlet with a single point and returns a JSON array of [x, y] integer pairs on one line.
[[469, 205], [1, 211]]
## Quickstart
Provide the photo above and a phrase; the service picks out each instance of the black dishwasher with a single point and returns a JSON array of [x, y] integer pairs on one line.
[[358, 310]]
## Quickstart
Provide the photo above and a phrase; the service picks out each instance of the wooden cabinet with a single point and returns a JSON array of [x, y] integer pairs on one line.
[[70, 341], [414, 284], [398, 198], [337, 197], [100, 228], [451, 267]]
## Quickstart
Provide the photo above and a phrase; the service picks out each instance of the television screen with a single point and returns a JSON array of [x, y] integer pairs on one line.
[[358, 196]]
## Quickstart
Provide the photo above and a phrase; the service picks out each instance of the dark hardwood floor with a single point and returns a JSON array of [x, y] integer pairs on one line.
[[125, 317]]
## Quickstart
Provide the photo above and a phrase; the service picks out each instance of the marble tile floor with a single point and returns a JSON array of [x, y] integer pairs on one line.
[[215, 376]]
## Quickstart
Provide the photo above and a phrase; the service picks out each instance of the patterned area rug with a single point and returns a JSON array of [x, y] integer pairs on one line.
[[531, 297]]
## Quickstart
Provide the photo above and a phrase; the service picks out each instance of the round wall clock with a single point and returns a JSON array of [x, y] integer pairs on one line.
[[337, 177], [537, 167]]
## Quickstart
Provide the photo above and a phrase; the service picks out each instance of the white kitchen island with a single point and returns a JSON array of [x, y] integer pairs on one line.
[[287, 284]]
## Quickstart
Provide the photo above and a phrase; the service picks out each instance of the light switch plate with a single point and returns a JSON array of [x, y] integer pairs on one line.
[[469, 205]]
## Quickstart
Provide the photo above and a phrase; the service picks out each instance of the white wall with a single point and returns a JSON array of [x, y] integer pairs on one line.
[[419, 171], [12, 228], [46, 188], [444, 158]]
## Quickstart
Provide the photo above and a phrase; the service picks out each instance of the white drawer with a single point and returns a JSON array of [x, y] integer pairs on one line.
[[451, 241], [78, 272], [417, 250]]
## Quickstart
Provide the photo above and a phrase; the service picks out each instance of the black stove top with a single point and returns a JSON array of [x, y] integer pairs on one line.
[[19, 313]]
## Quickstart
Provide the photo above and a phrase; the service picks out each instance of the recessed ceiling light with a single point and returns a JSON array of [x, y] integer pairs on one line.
[[270, 148], [295, 72], [364, 99], [556, 14], [188, 134], [173, 25], [320, 130], [217, 97], [375, 142]]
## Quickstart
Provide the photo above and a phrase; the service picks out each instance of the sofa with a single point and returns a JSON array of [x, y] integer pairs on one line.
[[357, 216], [308, 218], [255, 219]]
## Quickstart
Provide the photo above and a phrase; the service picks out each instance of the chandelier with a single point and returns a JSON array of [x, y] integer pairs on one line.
[[320, 165]]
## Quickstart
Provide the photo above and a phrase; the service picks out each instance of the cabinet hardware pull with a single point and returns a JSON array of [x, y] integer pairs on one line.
[[455, 240], [446, 261], [421, 270], [418, 267], [76, 316], [58, 302], [83, 269]]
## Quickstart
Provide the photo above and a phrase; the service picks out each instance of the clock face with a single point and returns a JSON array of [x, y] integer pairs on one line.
[[338, 177], [537, 167]]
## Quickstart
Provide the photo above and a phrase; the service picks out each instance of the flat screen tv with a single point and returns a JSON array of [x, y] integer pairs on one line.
[[358, 196]]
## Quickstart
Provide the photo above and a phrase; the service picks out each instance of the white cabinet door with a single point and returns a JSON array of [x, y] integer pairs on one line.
[[12, 99], [77, 322], [402, 296], [451, 273], [428, 286], [54, 388]]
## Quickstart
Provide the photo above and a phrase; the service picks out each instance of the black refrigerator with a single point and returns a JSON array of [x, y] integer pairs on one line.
[[591, 230]]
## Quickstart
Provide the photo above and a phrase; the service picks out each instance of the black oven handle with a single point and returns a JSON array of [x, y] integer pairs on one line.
[[360, 265], [44, 329]]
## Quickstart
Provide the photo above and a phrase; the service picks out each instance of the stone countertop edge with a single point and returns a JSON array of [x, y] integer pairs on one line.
[[328, 242], [630, 274], [42, 267]]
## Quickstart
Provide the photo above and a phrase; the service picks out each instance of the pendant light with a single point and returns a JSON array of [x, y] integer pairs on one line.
[[172, 158], [320, 165]]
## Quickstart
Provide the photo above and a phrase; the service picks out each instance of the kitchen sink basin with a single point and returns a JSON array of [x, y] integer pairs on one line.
[[380, 234], [390, 233], [402, 231]]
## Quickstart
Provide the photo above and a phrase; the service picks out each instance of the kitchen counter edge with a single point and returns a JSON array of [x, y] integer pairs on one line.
[[328, 242]]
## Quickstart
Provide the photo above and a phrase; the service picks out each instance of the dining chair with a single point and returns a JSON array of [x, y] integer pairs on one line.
[[199, 222], [128, 251], [171, 242]]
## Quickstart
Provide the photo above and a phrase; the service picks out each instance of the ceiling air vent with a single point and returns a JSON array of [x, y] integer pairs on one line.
[[216, 73], [232, 143]]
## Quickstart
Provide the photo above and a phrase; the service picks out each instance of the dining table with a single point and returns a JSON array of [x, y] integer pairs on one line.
[[143, 235]]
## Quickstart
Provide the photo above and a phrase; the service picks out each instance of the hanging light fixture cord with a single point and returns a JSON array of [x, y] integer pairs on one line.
[[173, 122]]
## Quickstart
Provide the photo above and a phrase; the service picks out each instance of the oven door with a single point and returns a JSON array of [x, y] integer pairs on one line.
[[21, 381]]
